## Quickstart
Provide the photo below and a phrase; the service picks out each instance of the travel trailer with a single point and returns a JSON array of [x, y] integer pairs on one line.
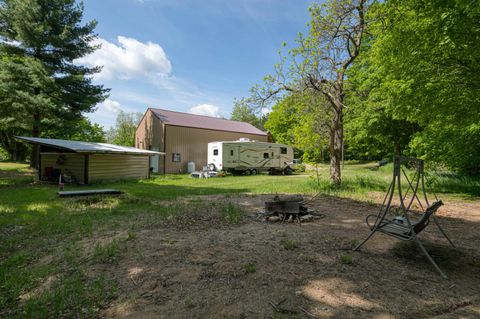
[[250, 157]]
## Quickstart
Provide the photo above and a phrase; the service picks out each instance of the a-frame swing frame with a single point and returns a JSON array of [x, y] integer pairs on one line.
[[404, 228]]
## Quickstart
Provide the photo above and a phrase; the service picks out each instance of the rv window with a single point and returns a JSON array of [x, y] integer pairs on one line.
[[231, 152], [176, 157], [215, 152], [265, 155], [283, 150]]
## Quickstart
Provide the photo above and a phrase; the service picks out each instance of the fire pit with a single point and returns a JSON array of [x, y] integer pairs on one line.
[[288, 208]]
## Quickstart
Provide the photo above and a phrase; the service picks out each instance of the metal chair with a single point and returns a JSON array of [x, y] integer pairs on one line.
[[403, 226]]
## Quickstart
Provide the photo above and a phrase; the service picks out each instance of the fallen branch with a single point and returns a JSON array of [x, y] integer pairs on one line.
[[309, 314], [282, 310]]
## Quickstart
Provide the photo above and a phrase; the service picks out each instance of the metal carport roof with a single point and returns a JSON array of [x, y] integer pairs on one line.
[[87, 147]]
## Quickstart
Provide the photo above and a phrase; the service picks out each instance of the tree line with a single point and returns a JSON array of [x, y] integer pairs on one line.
[[43, 92], [372, 79]]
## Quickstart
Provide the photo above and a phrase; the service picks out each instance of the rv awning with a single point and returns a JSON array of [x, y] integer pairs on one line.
[[87, 147]]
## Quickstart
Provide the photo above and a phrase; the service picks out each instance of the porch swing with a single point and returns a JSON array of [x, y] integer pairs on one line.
[[402, 225]]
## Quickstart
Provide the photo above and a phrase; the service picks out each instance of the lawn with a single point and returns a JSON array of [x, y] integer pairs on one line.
[[99, 256]]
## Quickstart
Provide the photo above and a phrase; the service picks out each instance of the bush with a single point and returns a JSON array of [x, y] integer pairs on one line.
[[3, 154]]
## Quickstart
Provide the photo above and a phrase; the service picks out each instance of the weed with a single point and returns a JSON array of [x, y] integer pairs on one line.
[[189, 303], [130, 235], [346, 259], [107, 253], [288, 244], [232, 213], [354, 243], [250, 268], [170, 242]]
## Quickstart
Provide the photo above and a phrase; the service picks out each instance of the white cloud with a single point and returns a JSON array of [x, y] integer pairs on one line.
[[131, 58], [206, 109], [111, 106], [106, 113]]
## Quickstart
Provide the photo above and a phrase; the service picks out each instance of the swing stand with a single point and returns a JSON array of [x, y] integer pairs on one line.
[[403, 226]]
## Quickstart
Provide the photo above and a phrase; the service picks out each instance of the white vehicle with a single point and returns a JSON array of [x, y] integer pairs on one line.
[[250, 157]]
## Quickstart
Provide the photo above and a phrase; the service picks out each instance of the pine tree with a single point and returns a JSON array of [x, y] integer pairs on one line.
[[39, 82]]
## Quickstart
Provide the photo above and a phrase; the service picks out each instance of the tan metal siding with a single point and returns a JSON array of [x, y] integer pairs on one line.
[[73, 165], [116, 167], [149, 132], [192, 145], [149, 135]]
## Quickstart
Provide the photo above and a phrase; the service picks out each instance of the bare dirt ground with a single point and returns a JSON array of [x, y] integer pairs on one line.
[[272, 270]]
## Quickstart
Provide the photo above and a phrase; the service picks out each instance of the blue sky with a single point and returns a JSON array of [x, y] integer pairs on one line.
[[187, 55]]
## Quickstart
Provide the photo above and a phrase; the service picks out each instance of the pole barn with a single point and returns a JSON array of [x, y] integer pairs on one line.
[[184, 137]]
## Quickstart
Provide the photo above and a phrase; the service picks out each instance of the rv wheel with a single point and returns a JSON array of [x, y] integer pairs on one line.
[[287, 171], [254, 172], [247, 172]]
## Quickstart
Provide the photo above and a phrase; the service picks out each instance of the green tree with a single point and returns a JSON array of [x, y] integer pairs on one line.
[[320, 61], [39, 81], [123, 133], [372, 132], [78, 130], [244, 112], [426, 55], [298, 120]]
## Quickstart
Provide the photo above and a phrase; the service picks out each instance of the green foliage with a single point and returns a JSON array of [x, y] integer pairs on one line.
[[244, 112], [80, 129], [3, 154], [422, 70], [40, 84], [301, 120], [317, 64], [123, 133], [371, 130]]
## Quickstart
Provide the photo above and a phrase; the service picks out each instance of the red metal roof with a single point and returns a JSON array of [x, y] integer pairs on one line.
[[205, 122]]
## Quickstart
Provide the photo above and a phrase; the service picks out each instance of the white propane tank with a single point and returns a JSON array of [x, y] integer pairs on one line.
[[191, 167]]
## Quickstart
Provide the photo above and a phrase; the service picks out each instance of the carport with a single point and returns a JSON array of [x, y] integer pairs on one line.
[[87, 162]]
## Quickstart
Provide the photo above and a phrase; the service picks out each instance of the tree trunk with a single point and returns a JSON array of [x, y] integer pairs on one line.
[[35, 133], [398, 149], [336, 140]]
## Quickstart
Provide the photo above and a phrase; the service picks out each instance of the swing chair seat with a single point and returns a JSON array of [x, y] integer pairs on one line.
[[399, 227], [402, 227]]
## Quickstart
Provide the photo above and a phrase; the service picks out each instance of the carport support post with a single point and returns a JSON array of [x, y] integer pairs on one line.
[[85, 169], [39, 163]]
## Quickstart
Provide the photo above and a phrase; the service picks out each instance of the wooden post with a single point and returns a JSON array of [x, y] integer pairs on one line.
[[40, 164]]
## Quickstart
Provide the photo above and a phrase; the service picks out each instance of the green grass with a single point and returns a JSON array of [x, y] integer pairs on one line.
[[232, 214], [346, 259], [250, 268], [43, 236], [12, 174], [107, 253], [288, 244]]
